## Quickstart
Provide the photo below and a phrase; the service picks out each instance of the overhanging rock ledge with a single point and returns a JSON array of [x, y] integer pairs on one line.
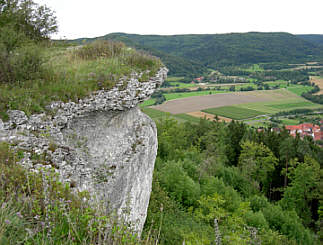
[[103, 144]]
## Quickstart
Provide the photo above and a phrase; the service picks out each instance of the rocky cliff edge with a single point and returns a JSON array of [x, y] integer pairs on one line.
[[103, 144]]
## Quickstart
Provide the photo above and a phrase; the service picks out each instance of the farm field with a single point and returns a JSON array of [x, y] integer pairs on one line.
[[208, 116], [197, 103], [195, 87], [234, 112], [181, 85], [296, 89], [237, 105], [319, 82], [284, 106], [173, 96], [174, 79], [156, 115], [280, 105]]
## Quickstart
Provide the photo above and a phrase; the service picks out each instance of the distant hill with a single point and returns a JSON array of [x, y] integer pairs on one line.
[[193, 54], [313, 38]]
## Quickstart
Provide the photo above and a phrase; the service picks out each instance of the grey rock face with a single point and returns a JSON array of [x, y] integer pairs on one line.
[[103, 144], [116, 154]]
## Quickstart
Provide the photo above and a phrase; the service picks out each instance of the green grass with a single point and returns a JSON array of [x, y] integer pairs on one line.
[[281, 83], [146, 103], [287, 121], [172, 96], [234, 112], [153, 113], [299, 89], [284, 106], [182, 85], [254, 68], [188, 118], [174, 79], [68, 75], [156, 115]]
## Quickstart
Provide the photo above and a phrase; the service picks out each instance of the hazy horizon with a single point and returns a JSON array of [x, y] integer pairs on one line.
[[79, 19]]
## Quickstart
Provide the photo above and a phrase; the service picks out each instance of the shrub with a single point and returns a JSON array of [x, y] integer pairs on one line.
[[100, 49], [256, 219], [178, 184], [18, 62], [257, 203]]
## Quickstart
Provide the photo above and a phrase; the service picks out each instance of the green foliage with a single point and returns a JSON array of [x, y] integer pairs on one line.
[[209, 208], [314, 38], [178, 184], [232, 176], [36, 208], [23, 25], [302, 189], [168, 223], [256, 220], [257, 162], [287, 223], [23, 64], [207, 171], [37, 22]]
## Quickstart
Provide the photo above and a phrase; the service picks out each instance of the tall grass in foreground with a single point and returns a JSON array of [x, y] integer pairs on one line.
[[36, 208], [74, 73]]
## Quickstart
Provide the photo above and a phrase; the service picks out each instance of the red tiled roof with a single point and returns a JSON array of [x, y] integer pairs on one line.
[[318, 135], [305, 129]]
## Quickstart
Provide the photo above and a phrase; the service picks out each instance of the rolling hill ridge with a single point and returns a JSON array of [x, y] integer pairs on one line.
[[195, 53]]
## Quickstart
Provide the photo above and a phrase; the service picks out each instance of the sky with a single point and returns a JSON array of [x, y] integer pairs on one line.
[[84, 18]]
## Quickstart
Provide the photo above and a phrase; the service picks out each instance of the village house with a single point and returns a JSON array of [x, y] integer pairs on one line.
[[304, 129]]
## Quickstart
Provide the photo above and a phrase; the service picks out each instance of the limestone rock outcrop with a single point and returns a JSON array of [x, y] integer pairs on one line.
[[103, 144]]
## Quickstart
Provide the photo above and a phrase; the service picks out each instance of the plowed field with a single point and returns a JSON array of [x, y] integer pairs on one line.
[[197, 103]]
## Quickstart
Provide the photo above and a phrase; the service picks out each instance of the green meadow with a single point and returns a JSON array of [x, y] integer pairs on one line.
[[234, 112]]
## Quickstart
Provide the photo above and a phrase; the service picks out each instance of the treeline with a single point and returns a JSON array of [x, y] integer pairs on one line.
[[187, 54], [304, 111], [292, 76], [312, 96], [229, 183]]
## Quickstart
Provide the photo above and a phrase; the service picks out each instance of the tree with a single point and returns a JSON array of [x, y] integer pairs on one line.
[[232, 88], [234, 134], [35, 21], [257, 162], [287, 152], [303, 188], [23, 25]]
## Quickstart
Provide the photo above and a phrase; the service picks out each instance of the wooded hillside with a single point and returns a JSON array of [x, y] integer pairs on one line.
[[192, 54]]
